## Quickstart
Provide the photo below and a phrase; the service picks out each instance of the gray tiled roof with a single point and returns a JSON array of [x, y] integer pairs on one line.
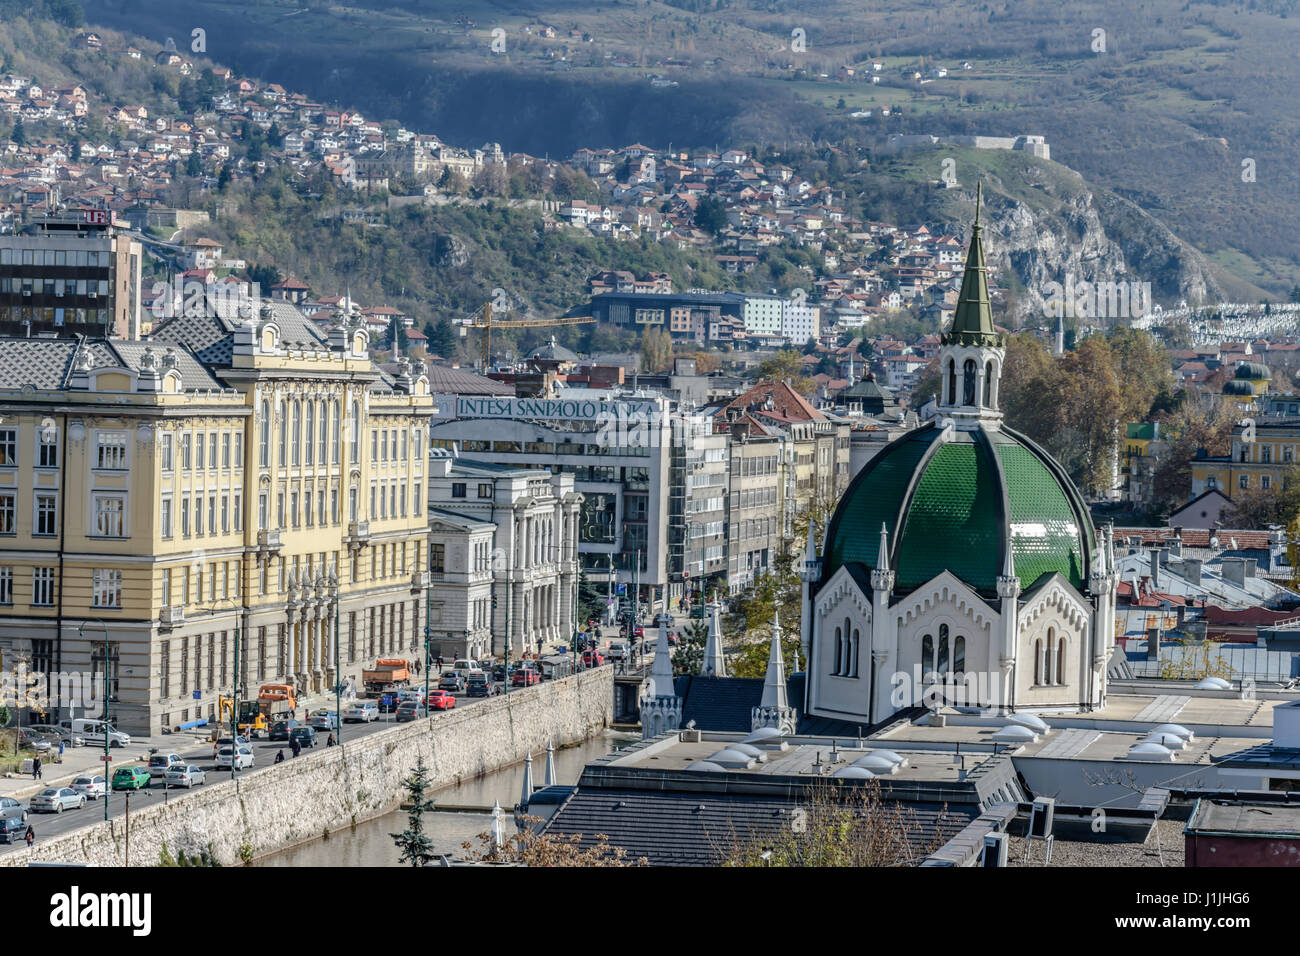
[[211, 335], [456, 381], [696, 829], [47, 363]]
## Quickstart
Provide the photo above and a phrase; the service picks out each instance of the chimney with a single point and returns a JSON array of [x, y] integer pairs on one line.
[[1153, 643], [1192, 570], [1175, 544], [1155, 568], [1248, 567], [1234, 570]]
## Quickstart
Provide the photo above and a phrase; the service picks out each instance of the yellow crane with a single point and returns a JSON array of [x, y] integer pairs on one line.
[[483, 319]]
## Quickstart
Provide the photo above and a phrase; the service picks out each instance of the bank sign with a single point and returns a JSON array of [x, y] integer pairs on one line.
[[545, 409]]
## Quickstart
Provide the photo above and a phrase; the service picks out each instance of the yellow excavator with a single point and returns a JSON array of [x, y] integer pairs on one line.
[[252, 721]]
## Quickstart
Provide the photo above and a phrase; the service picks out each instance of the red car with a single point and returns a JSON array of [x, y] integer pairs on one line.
[[441, 700], [593, 658], [525, 677]]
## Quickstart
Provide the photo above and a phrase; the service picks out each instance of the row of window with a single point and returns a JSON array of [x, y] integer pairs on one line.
[[53, 257], [215, 450], [108, 514], [47, 447], [42, 587], [55, 287], [1049, 660], [224, 513]]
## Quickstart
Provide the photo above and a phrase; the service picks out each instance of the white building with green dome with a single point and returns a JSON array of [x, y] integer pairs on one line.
[[962, 559]]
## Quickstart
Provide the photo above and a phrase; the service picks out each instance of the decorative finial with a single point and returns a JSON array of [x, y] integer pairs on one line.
[[979, 198]]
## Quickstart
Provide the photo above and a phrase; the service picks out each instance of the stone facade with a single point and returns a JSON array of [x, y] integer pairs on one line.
[[329, 789]]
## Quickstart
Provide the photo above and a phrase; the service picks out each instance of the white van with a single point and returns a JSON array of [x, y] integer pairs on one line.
[[92, 732], [464, 666]]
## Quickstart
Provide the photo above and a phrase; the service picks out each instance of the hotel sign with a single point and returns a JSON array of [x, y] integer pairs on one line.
[[547, 409]]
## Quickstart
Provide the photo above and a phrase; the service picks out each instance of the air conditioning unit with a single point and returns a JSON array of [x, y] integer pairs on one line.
[[995, 850], [1040, 818]]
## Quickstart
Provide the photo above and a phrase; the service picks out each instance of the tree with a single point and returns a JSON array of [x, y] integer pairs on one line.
[[442, 337], [194, 164], [1259, 508], [711, 214], [1193, 428], [841, 824], [656, 350], [19, 134], [223, 178], [531, 848], [784, 366], [416, 847], [591, 602]]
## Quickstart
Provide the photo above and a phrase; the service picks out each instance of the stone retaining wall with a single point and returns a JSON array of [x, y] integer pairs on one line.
[[332, 788]]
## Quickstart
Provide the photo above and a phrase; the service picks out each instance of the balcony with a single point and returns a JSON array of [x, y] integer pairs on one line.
[[358, 534], [268, 541], [419, 581], [173, 616]]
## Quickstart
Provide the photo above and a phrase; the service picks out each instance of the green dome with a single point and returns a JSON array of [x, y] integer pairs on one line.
[[1237, 387], [1254, 372], [954, 505]]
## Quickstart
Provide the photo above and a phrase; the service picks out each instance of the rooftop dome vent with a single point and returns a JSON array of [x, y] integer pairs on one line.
[[1177, 730], [706, 766], [854, 772], [1213, 683], [728, 757], [1168, 741], [1150, 752], [1014, 734], [1033, 722], [764, 735], [876, 764]]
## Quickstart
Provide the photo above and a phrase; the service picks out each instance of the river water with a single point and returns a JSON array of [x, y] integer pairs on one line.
[[370, 843]]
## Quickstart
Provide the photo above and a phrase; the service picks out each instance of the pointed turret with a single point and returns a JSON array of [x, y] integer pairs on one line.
[[549, 780], [972, 322], [882, 553], [526, 791], [774, 710], [882, 578], [715, 664], [661, 708]]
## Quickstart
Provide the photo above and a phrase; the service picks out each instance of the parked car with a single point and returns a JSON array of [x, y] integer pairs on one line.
[[130, 778], [93, 731], [618, 651], [441, 700], [54, 733], [481, 685], [361, 711], [11, 809], [12, 829], [452, 682], [662, 618], [29, 739], [326, 720], [281, 729], [159, 764], [525, 677], [185, 775], [388, 702], [411, 710], [243, 757], [92, 786], [306, 736], [593, 658], [499, 673]]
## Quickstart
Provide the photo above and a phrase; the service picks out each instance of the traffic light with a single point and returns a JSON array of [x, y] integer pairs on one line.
[[494, 602]]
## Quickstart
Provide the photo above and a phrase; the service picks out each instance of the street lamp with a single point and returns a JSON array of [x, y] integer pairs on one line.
[[81, 636]]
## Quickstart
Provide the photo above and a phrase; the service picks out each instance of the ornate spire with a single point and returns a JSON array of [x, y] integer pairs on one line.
[[774, 710], [882, 578], [1008, 583], [715, 665], [972, 322]]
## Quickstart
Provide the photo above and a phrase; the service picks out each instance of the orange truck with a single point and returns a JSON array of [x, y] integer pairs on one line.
[[277, 701], [388, 674]]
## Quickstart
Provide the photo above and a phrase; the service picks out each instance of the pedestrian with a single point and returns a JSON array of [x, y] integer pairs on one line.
[[417, 668], [60, 750], [330, 741], [439, 663], [30, 837], [295, 747], [36, 769], [279, 755]]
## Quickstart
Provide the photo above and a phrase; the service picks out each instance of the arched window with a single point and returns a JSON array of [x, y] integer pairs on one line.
[[968, 383], [264, 449], [988, 385], [839, 650], [283, 423], [297, 432], [844, 657], [959, 655], [927, 655], [952, 381], [1060, 661], [853, 653], [942, 665], [311, 430], [335, 457], [355, 426], [1047, 658], [323, 434], [1038, 662]]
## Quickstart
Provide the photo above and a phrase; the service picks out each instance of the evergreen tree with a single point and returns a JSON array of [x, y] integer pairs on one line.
[[442, 337], [416, 847], [223, 178], [194, 165], [19, 134], [274, 138]]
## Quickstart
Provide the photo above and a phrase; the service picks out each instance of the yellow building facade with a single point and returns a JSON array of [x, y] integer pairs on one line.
[[238, 475]]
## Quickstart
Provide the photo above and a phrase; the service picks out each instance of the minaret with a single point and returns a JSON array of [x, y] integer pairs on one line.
[[661, 709], [884, 633], [970, 358], [774, 709], [715, 665], [812, 572], [1009, 592]]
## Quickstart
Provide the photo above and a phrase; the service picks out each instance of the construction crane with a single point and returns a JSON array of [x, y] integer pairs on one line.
[[483, 319]]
